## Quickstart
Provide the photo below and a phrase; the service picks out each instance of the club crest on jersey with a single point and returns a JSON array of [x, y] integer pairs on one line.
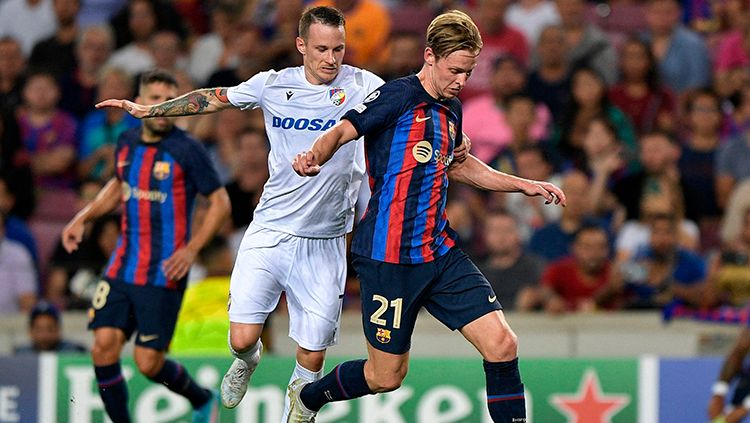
[[161, 170], [422, 151], [452, 131], [337, 96], [383, 336]]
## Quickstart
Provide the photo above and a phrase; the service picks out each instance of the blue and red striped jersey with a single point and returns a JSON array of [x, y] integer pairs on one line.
[[409, 142], [159, 184]]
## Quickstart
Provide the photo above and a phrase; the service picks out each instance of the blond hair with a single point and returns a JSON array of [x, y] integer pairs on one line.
[[453, 31]]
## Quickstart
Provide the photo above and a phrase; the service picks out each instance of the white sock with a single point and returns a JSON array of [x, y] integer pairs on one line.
[[301, 373], [251, 356]]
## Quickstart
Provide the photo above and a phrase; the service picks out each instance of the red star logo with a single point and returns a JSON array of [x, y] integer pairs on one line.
[[589, 404]]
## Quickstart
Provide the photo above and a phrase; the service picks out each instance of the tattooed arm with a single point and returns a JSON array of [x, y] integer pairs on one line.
[[201, 101]]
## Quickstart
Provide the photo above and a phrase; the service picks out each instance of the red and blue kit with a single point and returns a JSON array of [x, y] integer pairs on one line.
[[159, 184], [407, 162]]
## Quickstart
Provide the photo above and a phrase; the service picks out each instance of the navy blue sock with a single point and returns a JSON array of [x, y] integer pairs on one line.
[[505, 398], [176, 379], [345, 382], [114, 392]]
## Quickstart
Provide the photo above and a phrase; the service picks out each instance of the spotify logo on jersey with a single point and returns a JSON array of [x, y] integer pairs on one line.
[[422, 151]]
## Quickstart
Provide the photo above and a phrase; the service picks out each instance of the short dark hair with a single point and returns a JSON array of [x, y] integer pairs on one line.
[[323, 15], [157, 75], [43, 308]]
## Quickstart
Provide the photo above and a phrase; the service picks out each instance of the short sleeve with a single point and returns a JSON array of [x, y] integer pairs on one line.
[[380, 109], [248, 94], [202, 172]]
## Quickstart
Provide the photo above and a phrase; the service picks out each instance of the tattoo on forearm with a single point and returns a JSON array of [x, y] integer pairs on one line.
[[194, 102]]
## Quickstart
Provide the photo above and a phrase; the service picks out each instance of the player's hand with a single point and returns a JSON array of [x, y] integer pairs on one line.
[[72, 235], [305, 164], [715, 406], [177, 266], [548, 190], [137, 110], [462, 151]]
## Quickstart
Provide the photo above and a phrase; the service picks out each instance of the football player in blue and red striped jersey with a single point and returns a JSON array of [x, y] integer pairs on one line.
[[404, 250], [160, 170]]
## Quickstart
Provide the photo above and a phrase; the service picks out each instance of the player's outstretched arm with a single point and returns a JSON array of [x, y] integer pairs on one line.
[[308, 163], [201, 101], [106, 200], [474, 172]]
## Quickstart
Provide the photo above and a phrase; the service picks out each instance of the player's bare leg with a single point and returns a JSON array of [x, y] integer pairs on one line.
[[494, 339], [245, 345]]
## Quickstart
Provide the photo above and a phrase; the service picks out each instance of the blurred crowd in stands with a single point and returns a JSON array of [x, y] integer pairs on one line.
[[638, 109]]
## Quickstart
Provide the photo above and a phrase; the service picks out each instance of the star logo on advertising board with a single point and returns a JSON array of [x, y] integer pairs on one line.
[[589, 404]]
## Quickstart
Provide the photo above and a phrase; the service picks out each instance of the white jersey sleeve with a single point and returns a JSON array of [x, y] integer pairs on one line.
[[248, 94]]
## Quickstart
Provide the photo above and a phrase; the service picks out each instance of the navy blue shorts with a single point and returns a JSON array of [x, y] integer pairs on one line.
[[451, 288], [151, 310], [742, 389]]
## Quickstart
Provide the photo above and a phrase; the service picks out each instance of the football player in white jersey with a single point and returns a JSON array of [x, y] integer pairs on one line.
[[300, 223]]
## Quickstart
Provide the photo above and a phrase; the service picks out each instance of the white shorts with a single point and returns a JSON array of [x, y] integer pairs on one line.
[[312, 271]]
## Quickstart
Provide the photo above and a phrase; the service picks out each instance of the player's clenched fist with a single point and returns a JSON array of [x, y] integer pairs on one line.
[[305, 164]]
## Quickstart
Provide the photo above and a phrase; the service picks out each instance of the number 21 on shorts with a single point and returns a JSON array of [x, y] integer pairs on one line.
[[397, 305]]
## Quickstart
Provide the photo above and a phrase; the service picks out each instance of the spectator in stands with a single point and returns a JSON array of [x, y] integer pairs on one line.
[[368, 25], [533, 162], [553, 240], [587, 46], [56, 54], [521, 116], [634, 234], [485, 116], [663, 271], [28, 21], [163, 13], [549, 80], [167, 52], [135, 57], [697, 163], [412, 16], [15, 161], [250, 174], [684, 60], [589, 99], [512, 272], [48, 133], [18, 277], [216, 49], [16, 228], [72, 278], [101, 127], [45, 331], [98, 12], [249, 49], [729, 269], [12, 65], [639, 94], [731, 161], [404, 55], [658, 154], [499, 40], [573, 283], [531, 17], [737, 119], [78, 88], [604, 161], [278, 22]]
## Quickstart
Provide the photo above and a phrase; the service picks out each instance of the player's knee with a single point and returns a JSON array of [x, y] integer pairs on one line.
[[503, 346], [149, 363], [105, 351], [385, 381], [243, 340]]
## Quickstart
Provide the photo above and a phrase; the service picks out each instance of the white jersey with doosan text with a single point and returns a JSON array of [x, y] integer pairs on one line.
[[296, 112]]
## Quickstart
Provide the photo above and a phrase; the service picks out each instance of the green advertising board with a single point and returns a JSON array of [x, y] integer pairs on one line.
[[435, 391]]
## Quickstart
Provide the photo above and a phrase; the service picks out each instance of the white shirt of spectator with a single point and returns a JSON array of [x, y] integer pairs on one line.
[[295, 113], [28, 25], [17, 275]]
